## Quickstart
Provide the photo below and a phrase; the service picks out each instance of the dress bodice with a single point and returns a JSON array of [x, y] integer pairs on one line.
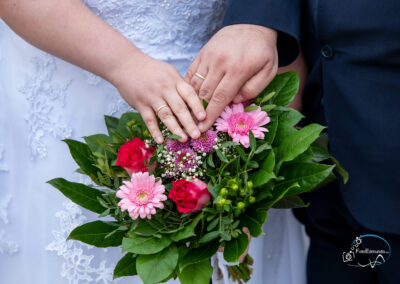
[[165, 29]]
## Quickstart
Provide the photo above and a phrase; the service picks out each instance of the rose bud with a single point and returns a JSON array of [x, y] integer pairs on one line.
[[132, 154], [189, 196]]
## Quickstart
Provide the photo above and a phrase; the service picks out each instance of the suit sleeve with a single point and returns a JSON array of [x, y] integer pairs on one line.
[[281, 15]]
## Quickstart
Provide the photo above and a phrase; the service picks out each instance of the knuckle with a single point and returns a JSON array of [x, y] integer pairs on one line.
[[165, 114], [248, 91], [204, 92], [219, 97], [180, 108]]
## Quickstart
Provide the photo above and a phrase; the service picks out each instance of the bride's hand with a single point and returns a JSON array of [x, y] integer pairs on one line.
[[155, 88]]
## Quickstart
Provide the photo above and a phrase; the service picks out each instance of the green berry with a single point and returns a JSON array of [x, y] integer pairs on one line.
[[240, 205], [224, 191], [249, 184], [234, 187], [252, 199], [146, 133], [222, 202]]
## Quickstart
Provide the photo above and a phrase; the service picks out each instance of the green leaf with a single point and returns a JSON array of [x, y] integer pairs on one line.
[[80, 194], [253, 142], [278, 194], [145, 244], [235, 248], [197, 273], [209, 236], [174, 136], [94, 233], [96, 141], [291, 201], [210, 161], [254, 219], [126, 266], [221, 156], [199, 254], [127, 117], [307, 175], [111, 123], [205, 103], [82, 155], [295, 144], [251, 108], [154, 268], [267, 97], [286, 86], [262, 148], [266, 171], [341, 170], [272, 127], [212, 224], [187, 231]]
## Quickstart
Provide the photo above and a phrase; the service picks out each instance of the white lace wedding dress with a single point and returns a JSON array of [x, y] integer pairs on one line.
[[44, 99]]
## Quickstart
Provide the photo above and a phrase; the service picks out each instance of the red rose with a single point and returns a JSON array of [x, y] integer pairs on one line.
[[132, 154], [189, 196]]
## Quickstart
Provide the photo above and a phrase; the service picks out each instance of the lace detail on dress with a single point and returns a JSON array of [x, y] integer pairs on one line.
[[77, 267], [117, 107], [45, 96], [6, 246], [163, 29], [3, 166]]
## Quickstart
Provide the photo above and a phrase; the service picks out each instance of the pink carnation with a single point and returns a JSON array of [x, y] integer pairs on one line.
[[141, 196], [238, 123]]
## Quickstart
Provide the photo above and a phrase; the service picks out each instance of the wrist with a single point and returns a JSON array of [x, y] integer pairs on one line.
[[122, 66]]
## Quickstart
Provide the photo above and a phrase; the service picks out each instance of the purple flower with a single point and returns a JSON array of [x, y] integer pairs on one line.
[[173, 145], [206, 142]]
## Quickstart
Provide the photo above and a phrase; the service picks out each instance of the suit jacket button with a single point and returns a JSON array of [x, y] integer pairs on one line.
[[327, 51]]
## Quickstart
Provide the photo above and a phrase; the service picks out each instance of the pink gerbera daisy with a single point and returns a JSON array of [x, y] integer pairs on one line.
[[206, 142], [238, 123], [141, 196]]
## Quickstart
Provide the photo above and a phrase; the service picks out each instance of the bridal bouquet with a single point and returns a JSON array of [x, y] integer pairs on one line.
[[170, 207]]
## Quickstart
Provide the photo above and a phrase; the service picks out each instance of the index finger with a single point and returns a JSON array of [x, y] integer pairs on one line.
[[225, 92]]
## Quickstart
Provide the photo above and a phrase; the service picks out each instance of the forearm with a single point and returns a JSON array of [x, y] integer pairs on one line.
[[69, 30], [300, 66]]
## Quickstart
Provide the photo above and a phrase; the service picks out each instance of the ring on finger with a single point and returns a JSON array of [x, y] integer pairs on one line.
[[160, 108], [198, 75]]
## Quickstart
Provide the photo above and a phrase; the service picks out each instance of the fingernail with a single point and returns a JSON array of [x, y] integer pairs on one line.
[[195, 134], [201, 126], [159, 140], [202, 115]]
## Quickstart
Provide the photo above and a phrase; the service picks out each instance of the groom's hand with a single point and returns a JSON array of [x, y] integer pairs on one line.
[[235, 65]]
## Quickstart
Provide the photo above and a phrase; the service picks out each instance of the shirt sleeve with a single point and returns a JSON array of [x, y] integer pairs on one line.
[[281, 15]]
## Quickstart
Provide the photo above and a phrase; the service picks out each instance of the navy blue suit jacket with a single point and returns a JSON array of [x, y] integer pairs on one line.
[[352, 48]]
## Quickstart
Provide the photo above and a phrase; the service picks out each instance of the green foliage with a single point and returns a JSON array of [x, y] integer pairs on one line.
[[197, 273], [285, 87], [145, 244], [97, 234], [154, 268], [80, 194], [236, 247], [198, 254], [307, 175], [126, 266]]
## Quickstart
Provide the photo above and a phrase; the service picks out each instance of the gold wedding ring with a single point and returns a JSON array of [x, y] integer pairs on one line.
[[160, 108], [199, 76]]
